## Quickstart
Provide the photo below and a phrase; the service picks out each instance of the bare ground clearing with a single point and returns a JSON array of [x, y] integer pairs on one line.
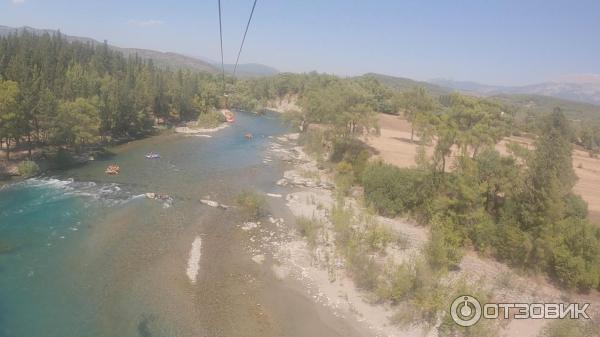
[[394, 146]]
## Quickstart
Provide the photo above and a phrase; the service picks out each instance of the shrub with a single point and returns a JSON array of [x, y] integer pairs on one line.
[[359, 163], [484, 328], [513, 245], [428, 297], [354, 153], [313, 141], [345, 148], [252, 204], [342, 224], [573, 253], [343, 178], [576, 206], [444, 250], [396, 284], [569, 269], [309, 228], [28, 168], [377, 237], [210, 119], [362, 267], [392, 190]]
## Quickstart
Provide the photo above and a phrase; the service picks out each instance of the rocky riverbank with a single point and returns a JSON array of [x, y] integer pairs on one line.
[[196, 130], [317, 263]]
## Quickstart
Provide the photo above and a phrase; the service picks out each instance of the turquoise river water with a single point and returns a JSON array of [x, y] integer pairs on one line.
[[86, 254]]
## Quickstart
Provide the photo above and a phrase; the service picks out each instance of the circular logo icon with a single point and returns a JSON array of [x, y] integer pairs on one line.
[[465, 310]]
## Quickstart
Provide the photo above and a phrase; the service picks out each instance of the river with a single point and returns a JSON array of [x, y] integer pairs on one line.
[[86, 254]]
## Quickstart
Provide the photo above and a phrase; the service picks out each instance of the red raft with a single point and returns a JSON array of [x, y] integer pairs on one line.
[[229, 116]]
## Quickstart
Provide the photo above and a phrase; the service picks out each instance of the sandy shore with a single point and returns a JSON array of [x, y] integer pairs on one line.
[[325, 281], [322, 272], [194, 130]]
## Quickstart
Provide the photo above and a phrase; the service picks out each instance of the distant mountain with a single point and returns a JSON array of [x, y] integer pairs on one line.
[[403, 84], [585, 88], [4, 31], [524, 103], [582, 88], [538, 104], [244, 70], [468, 86], [251, 70], [161, 59]]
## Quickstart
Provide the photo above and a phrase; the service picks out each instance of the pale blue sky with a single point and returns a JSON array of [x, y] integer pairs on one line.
[[496, 42]]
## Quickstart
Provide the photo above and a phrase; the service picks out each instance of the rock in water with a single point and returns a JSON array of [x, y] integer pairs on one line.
[[210, 203], [194, 260]]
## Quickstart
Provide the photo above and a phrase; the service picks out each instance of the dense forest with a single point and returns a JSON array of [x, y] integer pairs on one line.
[[518, 208], [53, 92]]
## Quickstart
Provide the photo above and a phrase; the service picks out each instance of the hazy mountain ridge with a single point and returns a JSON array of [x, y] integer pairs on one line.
[[244, 69], [524, 103], [581, 88], [250, 70], [161, 59], [403, 84]]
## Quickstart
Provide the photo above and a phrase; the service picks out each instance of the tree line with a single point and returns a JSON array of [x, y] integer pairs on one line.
[[55, 92], [519, 207]]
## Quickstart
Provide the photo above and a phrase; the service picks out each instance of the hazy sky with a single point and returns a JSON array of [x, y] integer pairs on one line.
[[495, 42]]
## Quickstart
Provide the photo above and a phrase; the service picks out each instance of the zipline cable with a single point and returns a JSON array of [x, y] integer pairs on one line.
[[222, 58], [243, 39]]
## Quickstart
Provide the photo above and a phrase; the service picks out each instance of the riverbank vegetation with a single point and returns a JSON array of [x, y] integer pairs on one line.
[[518, 209], [252, 205], [210, 119], [28, 168], [55, 93]]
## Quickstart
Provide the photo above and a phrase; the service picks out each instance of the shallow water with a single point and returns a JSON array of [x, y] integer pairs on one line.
[[85, 254]]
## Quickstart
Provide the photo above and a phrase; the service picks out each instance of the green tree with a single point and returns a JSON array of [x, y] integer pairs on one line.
[[550, 176], [9, 112], [77, 122], [46, 110], [415, 103]]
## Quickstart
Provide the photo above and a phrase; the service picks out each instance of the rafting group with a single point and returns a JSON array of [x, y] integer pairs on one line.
[[229, 116], [112, 170], [152, 155]]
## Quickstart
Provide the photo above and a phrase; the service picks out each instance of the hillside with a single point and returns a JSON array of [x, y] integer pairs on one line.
[[580, 88], [162, 59], [523, 103], [251, 70], [537, 104], [402, 84], [170, 60]]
